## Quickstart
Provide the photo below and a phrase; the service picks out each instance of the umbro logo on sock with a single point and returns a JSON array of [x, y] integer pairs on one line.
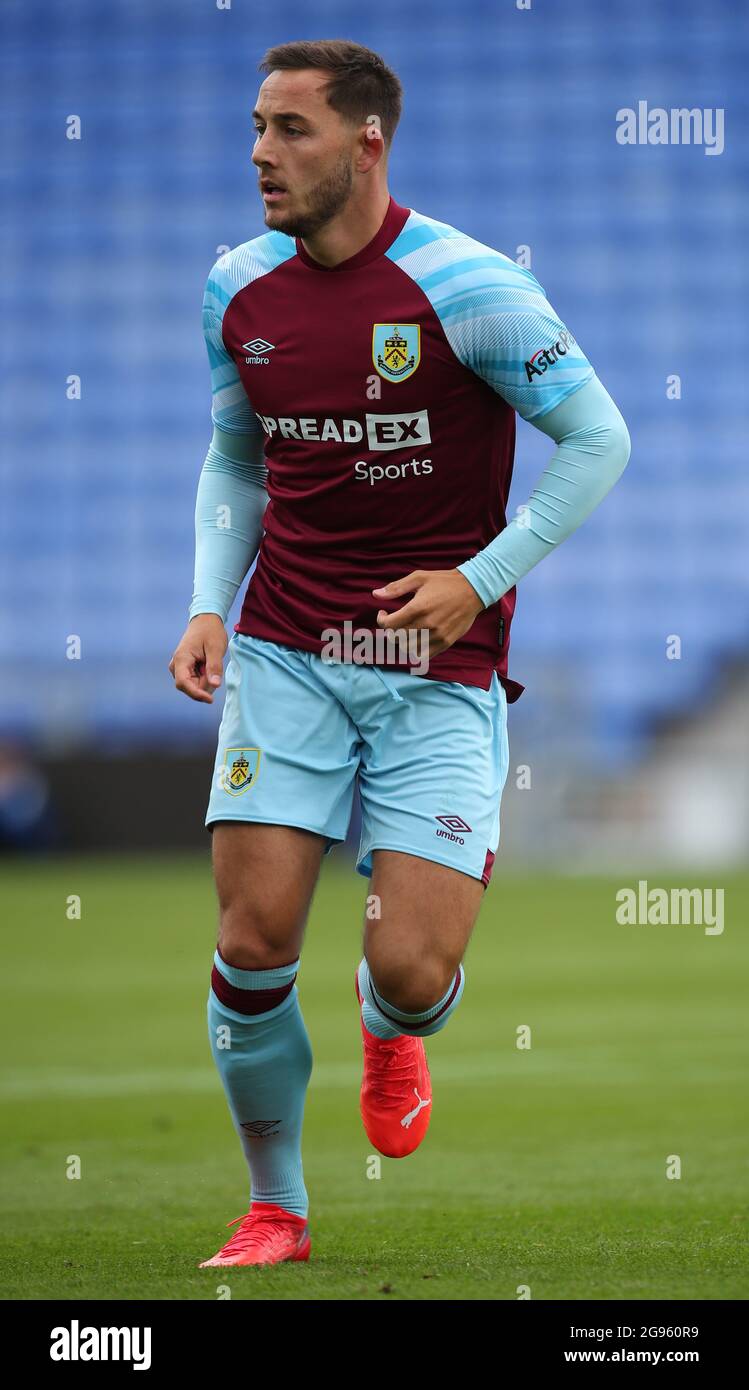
[[260, 1128]]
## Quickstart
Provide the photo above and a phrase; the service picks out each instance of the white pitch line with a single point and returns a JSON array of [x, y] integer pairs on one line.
[[203, 1081], [575, 1068]]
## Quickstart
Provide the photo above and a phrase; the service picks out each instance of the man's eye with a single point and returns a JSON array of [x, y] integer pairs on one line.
[[292, 130]]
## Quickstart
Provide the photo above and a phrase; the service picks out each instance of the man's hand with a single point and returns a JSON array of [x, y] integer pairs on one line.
[[443, 602], [198, 662]]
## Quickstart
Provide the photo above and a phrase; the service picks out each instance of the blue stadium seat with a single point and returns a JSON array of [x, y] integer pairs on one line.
[[512, 139]]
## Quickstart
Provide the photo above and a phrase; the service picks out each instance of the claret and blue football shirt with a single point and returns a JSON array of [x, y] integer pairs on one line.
[[385, 389]]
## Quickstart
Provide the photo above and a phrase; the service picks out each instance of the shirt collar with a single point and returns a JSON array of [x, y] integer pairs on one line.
[[394, 222]]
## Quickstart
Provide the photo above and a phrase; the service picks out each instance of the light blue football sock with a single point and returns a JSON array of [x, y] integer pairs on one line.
[[385, 1021], [264, 1060]]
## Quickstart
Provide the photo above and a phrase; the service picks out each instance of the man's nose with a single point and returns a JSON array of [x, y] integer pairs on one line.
[[262, 151]]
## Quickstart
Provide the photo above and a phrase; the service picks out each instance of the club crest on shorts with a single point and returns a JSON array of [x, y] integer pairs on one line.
[[240, 770], [396, 349]]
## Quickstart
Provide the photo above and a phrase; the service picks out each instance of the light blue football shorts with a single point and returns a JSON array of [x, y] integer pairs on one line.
[[430, 756]]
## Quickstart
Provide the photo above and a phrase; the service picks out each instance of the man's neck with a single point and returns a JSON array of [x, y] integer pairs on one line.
[[348, 233]]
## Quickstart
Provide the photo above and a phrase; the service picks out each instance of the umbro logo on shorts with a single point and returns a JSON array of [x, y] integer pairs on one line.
[[454, 823], [454, 828]]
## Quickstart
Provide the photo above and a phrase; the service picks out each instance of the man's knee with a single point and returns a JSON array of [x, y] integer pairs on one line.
[[253, 939], [412, 985], [264, 880]]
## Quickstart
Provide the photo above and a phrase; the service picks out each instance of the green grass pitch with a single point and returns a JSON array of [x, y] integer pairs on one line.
[[543, 1168]]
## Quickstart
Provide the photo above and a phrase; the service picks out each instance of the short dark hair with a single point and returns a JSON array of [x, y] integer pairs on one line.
[[361, 83]]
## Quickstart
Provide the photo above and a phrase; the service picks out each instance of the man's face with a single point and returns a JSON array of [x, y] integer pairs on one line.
[[304, 153]]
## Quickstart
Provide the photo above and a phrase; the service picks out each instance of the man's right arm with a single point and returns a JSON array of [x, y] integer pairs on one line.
[[229, 507], [229, 511]]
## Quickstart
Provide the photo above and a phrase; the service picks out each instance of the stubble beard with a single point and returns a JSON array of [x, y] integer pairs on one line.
[[324, 202]]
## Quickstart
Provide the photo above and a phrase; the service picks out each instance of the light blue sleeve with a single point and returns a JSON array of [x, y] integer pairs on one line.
[[231, 408], [593, 447], [232, 495], [495, 316], [229, 509], [504, 329]]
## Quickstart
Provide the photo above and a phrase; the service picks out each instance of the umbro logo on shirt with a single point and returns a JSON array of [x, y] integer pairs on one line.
[[259, 348]]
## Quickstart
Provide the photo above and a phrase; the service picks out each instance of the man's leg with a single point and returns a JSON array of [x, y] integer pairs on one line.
[[434, 761], [411, 975], [265, 877]]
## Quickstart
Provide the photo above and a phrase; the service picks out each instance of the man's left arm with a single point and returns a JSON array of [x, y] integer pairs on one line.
[[558, 393], [592, 451]]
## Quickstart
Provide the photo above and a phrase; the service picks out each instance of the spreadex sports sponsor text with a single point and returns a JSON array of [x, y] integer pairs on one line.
[[382, 431]]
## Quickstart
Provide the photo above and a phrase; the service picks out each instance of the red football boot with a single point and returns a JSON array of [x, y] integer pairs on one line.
[[396, 1091], [267, 1236]]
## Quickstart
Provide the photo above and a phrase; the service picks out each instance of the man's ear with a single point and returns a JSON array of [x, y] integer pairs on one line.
[[371, 146]]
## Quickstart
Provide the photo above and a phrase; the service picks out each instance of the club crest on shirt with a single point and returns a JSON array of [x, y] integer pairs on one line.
[[396, 349], [240, 769]]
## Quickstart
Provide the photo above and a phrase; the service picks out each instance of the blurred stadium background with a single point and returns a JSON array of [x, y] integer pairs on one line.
[[508, 132], [632, 640]]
